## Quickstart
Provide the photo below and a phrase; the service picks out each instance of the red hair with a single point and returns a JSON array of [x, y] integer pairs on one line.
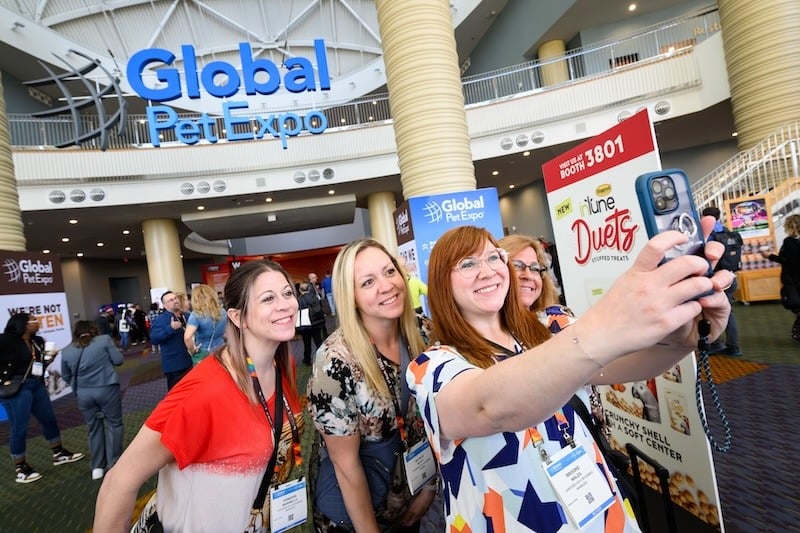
[[450, 325]]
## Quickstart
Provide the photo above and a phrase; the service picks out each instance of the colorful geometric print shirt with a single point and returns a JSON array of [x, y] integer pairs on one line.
[[496, 483]]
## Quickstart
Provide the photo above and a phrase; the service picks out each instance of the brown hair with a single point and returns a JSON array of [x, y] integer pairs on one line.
[[514, 244], [233, 355], [450, 325], [792, 225], [84, 332]]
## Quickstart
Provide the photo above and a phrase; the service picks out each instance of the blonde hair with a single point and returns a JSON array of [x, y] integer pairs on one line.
[[350, 323], [206, 303], [514, 244], [792, 225]]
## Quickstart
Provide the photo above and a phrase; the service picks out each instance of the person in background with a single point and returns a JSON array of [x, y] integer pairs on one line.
[[23, 352], [327, 289], [211, 438], [319, 293], [499, 382], [102, 321], [167, 332], [88, 366], [205, 328], [124, 329], [140, 319], [721, 234], [789, 259], [186, 302], [307, 300], [356, 383]]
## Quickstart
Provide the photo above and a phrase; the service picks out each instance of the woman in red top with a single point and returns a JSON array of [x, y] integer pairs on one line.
[[211, 438]]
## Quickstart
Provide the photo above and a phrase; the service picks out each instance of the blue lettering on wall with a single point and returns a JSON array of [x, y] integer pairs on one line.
[[299, 77]]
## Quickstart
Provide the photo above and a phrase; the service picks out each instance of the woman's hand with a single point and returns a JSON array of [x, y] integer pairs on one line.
[[658, 303]]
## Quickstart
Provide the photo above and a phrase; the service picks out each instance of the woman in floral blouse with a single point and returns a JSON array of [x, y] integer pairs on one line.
[[357, 382]]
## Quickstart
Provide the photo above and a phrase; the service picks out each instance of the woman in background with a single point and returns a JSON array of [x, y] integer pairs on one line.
[[88, 366], [789, 259], [357, 382], [22, 351], [316, 316], [494, 393], [211, 438], [205, 328]]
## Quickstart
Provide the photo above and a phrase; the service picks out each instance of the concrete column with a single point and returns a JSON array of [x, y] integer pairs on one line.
[[163, 249], [763, 60], [423, 78], [556, 71], [12, 230], [381, 206]]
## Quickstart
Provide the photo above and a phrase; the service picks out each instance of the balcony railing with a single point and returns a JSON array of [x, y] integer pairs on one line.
[[599, 60]]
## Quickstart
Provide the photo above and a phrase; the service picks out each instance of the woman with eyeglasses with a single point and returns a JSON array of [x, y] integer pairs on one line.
[[22, 353], [494, 391]]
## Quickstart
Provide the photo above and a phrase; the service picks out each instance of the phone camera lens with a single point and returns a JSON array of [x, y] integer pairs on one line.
[[669, 192], [655, 186], [661, 204]]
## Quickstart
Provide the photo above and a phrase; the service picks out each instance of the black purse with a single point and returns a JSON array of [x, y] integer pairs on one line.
[[9, 383]]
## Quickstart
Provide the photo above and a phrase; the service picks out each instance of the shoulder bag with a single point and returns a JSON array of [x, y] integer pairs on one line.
[[9, 383]]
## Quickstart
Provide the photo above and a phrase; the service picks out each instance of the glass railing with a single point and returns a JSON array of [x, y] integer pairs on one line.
[[653, 44], [770, 170]]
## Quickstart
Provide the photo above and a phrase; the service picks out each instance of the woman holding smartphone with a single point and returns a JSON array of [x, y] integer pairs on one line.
[[494, 392]]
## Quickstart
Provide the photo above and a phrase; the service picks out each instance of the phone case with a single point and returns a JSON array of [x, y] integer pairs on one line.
[[667, 204]]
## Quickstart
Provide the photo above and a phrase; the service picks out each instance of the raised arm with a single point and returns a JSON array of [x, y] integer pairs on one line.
[[612, 342]]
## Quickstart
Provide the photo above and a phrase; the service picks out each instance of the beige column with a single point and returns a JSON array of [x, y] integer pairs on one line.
[[12, 230], [381, 206], [553, 72], [163, 249], [763, 60], [423, 78]]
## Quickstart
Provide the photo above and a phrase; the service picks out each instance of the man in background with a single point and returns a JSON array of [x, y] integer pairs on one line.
[[327, 289], [731, 260], [318, 292], [167, 331]]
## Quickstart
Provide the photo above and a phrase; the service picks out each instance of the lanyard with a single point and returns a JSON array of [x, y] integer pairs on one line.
[[399, 413], [277, 426]]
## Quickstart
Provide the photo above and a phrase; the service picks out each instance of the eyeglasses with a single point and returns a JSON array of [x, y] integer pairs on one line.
[[470, 267], [519, 266]]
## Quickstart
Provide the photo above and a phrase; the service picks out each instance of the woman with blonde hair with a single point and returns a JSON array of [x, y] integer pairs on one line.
[[357, 394], [205, 328], [228, 431]]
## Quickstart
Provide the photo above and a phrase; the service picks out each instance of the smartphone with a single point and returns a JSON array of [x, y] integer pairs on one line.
[[667, 204]]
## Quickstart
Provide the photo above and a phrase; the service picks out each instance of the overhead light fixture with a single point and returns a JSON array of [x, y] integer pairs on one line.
[[64, 239], [100, 244], [79, 254], [268, 199], [201, 207], [495, 172], [632, 7], [127, 248], [735, 134], [45, 251], [512, 186], [73, 221], [126, 232], [525, 153], [331, 191]]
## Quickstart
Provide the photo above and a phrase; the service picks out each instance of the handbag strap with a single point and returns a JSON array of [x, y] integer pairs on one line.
[[580, 409], [77, 369]]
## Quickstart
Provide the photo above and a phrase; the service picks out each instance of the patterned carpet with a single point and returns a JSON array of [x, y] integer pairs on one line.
[[757, 478]]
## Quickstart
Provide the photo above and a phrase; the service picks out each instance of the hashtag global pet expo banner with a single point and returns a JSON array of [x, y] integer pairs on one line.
[[599, 228], [33, 283]]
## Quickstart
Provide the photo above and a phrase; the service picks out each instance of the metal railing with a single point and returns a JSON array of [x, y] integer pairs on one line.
[[770, 169], [604, 59]]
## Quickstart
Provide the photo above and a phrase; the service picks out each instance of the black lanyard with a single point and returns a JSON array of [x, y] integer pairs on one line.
[[399, 413], [277, 427]]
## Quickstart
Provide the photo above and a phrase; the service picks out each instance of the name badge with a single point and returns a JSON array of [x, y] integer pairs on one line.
[[420, 465], [580, 486], [288, 505], [37, 369]]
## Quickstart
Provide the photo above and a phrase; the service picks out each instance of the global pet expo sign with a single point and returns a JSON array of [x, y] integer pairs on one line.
[[220, 79]]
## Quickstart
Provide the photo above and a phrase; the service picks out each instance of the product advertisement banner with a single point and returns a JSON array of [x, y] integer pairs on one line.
[[33, 283], [420, 220], [599, 228]]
